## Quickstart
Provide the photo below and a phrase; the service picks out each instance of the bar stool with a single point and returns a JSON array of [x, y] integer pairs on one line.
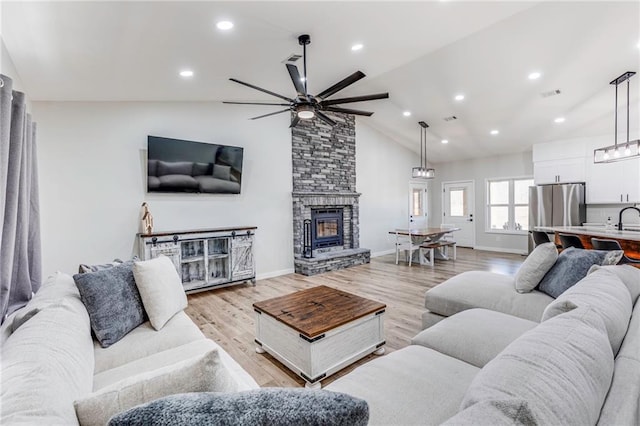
[[602, 244], [540, 237], [569, 240]]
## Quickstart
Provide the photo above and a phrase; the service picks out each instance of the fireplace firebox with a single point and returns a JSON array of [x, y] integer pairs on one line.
[[326, 228]]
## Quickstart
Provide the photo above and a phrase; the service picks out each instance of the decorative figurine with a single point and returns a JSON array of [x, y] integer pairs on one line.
[[147, 219]]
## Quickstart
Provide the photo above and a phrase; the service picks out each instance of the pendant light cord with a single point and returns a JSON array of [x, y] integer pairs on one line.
[[628, 82], [615, 133]]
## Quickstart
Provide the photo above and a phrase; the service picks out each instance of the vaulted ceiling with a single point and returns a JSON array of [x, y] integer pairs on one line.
[[422, 53]]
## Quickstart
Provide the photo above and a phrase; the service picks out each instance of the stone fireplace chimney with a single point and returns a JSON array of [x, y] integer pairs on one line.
[[324, 180]]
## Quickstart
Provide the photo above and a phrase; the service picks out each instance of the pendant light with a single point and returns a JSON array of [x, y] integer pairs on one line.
[[423, 172], [625, 150]]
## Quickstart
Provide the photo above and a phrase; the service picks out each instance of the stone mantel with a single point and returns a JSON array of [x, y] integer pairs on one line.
[[326, 194]]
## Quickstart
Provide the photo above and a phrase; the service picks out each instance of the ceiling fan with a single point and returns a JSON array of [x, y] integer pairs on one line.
[[307, 106]]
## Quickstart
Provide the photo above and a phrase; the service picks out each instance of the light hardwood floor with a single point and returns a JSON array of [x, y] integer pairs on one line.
[[226, 315]]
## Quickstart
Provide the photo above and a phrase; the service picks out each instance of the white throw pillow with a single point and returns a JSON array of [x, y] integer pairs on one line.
[[535, 266], [197, 374], [160, 289]]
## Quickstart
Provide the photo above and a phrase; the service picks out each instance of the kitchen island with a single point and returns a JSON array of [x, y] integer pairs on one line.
[[629, 239]]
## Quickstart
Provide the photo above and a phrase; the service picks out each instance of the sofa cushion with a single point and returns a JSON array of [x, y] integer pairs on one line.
[[268, 406], [200, 169], [174, 168], [572, 265], [160, 289], [47, 362], [562, 368], [413, 385], [622, 406], [195, 374], [153, 182], [182, 182], [112, 301], [164, 359], [606, 294], [535, 266], [629, 275], [144, 341], [495, 412], [209, 184], [152, 167], [475, 336], [84, 268], [488, 290]]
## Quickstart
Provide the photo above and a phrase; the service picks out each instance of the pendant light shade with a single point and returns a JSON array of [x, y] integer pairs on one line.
[[422, 172], [624, 150]]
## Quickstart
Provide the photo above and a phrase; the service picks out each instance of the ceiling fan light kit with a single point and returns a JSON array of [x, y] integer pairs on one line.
[[423, 172], [624, 150], [306, 106]]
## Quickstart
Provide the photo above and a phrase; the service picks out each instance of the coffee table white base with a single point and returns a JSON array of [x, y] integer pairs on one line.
[[314, 359]]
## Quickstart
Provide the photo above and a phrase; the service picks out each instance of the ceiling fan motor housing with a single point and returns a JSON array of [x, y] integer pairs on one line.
[[304, 39]]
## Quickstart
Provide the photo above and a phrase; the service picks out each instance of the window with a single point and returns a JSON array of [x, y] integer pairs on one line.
[[508, 204]]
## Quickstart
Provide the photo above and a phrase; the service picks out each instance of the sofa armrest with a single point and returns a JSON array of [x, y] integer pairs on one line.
[[474, 336]]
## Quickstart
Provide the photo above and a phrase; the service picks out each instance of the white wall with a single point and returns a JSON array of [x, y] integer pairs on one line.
[[92, 183], [383, 172], [513, 165], [8, 68]]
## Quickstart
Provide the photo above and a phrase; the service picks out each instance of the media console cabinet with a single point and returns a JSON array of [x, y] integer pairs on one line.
[[205, 258]]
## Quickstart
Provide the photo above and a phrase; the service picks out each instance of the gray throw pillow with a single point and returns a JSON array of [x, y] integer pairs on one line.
[[535, 266], [572, 265], [221, 172], [200, 169], [266, 406], [84, 268], [112, 301]]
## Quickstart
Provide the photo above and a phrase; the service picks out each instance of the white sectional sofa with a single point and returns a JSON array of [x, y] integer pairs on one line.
[[50, 360], [494, 356]]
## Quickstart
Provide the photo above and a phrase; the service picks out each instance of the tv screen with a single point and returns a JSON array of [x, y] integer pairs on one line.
[[175, 165]]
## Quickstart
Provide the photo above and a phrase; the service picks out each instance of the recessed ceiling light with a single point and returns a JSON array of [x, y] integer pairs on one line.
[[534, 75], [444, 141], [459, 97], [224, 25], [407, 113], [559, 120], [356, 47], [494, 132], [302, 79], [186, 73]]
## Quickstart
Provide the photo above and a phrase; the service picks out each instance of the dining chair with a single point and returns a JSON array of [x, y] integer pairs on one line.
[[405, 243], [448, 240], [602, 244], [569, 240]]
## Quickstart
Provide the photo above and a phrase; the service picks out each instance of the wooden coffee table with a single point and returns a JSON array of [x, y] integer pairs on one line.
[[318, 331]]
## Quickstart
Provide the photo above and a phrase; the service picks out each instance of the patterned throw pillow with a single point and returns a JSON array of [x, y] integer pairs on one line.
[[572, 265], [112, 301]]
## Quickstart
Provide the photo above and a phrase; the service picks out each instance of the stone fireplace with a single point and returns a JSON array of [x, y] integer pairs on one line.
[[324, 197]]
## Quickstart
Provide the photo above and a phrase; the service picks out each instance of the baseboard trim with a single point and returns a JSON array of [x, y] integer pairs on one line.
[[383, 253], [274, 274], [501, 250]]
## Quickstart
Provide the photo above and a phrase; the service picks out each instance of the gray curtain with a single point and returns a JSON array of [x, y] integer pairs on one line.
[[20, 251]]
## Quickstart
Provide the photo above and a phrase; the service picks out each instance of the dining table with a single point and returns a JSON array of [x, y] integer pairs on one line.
[[425, 235]]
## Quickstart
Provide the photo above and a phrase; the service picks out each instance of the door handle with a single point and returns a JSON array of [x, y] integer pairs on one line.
[[620, 197], [627, 197]]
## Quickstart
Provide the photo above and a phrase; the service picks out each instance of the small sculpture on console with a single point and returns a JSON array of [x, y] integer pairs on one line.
[[147, 219]]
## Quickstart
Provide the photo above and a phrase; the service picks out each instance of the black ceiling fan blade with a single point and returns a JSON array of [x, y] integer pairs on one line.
[[261, 89], [355, 99], [295, 121], [349, 111], [253, 103], [272, 113], [297, 81], [325, 118], [341, 84]]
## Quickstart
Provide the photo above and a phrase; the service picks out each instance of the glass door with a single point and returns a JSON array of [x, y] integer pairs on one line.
[[417, 205]]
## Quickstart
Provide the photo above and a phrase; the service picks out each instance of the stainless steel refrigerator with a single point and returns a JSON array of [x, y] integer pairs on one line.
[[556, 205]]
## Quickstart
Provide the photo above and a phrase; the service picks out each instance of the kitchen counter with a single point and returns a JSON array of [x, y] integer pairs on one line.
[[594, 231], [629, 240]]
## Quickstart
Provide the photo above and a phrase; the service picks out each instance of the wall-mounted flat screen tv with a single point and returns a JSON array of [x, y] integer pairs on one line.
[[175, 165]]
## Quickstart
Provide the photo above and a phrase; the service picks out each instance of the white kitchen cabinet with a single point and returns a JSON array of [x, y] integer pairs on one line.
[[565, 170], [612, 183]]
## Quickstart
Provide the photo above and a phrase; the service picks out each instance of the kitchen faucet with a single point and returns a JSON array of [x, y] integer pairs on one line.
[[620, 216]]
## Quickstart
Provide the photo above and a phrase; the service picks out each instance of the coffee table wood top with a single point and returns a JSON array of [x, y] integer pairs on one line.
[[317, 310]]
